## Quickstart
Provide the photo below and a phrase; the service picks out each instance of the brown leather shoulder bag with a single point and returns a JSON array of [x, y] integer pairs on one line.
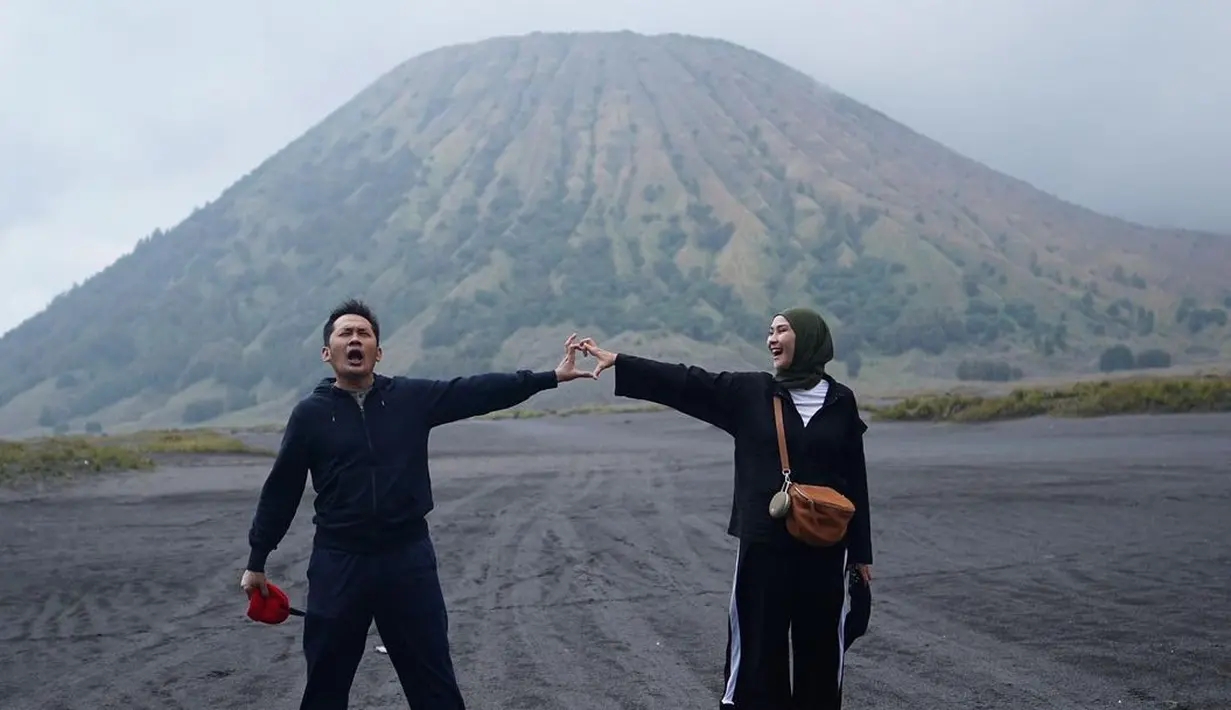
[[816, 515]]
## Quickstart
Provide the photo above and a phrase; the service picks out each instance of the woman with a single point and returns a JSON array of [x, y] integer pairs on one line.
[[781, 584]]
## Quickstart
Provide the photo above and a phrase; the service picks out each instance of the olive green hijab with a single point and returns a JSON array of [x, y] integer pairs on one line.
[[813, 349]]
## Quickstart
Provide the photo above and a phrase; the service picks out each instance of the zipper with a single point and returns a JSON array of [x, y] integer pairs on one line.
[[371, 450]]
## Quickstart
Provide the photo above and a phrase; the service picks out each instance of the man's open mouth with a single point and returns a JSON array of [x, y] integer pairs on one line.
[[354, 356]]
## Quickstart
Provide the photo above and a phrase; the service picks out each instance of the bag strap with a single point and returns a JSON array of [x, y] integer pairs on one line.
[[782, 456]]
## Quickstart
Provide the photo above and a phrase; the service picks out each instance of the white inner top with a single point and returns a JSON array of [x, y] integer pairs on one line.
[[808, 402]]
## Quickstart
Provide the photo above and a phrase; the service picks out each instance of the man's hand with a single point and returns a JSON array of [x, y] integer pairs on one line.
[[604, 358], [865, 572], [254, 580], [567, 369]]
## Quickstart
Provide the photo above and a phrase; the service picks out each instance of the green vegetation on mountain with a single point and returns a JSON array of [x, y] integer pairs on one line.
[[665, 193]]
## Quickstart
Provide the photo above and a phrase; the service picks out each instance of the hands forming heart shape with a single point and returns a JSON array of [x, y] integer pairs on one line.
[[567, 369]]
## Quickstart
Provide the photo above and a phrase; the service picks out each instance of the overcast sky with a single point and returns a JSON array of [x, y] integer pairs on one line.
[[120, 116]]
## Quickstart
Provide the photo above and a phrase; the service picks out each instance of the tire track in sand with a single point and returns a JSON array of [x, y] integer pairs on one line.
[[494, 651], [587, 559], [110, 624]]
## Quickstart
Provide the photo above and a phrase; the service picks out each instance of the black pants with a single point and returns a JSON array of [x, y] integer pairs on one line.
[[400, 590], [786, 600]]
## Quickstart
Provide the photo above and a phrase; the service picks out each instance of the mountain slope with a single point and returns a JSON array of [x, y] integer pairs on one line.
[[664, 191]]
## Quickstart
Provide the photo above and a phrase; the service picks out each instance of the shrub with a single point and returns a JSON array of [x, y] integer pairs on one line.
[[1117, 357], [1147, 359], [203, 410], [987, 371]]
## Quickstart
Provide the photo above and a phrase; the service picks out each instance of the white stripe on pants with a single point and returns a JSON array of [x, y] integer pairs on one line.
[[728, 697]]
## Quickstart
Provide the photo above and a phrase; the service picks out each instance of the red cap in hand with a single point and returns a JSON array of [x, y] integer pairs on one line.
[[272, 609]]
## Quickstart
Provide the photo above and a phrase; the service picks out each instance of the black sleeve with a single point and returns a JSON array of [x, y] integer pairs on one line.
[[281, 493], [859, 545], [687, 389], [463, 397]]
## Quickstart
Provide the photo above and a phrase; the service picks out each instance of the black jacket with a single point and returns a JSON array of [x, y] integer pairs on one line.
[[829, 451], [369, 467]]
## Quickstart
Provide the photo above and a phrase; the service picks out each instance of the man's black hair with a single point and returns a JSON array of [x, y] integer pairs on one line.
[[351, 307]]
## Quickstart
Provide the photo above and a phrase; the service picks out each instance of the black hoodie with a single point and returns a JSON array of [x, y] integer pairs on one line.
[[828, 451], [369, 464]]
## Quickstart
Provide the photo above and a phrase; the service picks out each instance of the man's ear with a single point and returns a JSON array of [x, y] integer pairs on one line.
[[378, 353], [324, 354]]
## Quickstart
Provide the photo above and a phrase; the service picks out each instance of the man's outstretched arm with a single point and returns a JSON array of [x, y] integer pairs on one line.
[[280, 495], [463, 397]]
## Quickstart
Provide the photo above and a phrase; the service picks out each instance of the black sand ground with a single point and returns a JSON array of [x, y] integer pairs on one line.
[[1035, 564]]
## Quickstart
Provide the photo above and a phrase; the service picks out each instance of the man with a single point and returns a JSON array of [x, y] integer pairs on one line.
[[364, 438]]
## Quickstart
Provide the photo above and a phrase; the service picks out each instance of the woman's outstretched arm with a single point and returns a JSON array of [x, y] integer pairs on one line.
[[688, 389]]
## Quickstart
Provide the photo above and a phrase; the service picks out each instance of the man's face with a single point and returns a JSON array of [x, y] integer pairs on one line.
[[352, 350]]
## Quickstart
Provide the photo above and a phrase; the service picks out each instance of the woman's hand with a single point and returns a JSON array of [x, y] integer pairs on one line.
[[604, 358]]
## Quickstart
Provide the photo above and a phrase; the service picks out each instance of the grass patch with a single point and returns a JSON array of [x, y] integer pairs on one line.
[[1141, 395], [70, 454], [187, 441], [66, 455]]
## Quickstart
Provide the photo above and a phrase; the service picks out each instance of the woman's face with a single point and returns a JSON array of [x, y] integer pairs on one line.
[[781, 342]]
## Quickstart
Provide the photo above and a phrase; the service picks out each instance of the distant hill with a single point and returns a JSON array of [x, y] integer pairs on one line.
[[666, 193]]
